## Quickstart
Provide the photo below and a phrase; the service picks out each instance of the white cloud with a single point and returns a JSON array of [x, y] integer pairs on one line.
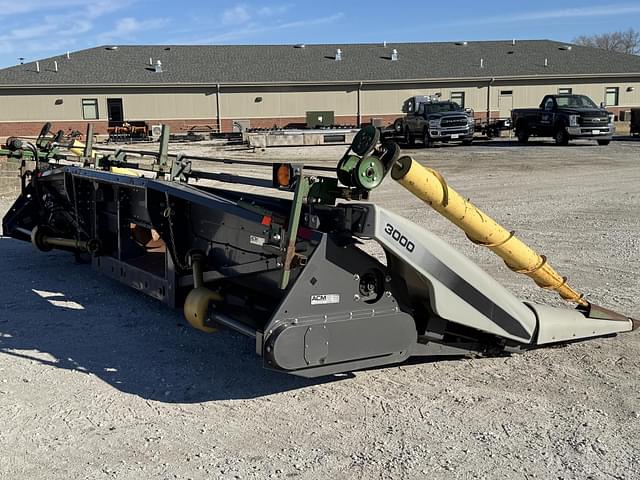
[[128, 27], [235, 16], [254, 29], [561, 13], [273, 10], [10, 8], [46, 27]]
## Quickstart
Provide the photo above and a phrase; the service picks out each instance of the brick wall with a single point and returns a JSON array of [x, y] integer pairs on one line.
[[32, 129], [100, 127]]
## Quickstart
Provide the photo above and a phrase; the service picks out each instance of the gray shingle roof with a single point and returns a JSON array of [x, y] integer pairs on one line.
[[263, 64]]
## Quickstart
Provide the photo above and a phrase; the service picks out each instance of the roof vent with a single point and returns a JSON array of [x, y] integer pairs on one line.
[[384, 44], [546, 62], [338, 55], [158, 67], [482, 63], [394, 55], [21, 60], [38, 67], [151, 61], [112, 47], [167, 49], [68, 55], [462, 43], [513, 42], [55, 65], [299, 45], [564, 47]]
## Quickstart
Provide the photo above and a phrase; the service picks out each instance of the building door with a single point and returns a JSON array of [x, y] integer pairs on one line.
[[115, 111], [505, 103]]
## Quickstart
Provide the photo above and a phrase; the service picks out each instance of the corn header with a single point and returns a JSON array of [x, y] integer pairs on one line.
[[288, 270]]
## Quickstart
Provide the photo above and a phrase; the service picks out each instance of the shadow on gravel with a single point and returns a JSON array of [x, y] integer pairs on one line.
[[94, 325]]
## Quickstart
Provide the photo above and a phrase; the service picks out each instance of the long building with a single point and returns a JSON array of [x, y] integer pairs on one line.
[[232, 87]]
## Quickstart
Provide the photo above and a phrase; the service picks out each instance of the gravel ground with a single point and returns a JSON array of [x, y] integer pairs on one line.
[[98, 381]]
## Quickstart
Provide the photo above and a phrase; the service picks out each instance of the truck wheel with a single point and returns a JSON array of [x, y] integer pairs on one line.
[[397, 126], [427, 140], [522, 134], [603, 142], [408, 137], [561, 137]]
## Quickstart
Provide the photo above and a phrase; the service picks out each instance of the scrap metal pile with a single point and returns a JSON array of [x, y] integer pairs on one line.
[[289, 272]]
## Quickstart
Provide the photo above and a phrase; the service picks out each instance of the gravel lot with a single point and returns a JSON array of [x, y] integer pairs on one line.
[[98, 381]]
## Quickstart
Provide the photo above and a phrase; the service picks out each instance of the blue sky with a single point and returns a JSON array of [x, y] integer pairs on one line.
[[36, 29]]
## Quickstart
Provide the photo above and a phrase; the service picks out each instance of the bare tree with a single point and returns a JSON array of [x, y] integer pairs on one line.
[[622, 41]]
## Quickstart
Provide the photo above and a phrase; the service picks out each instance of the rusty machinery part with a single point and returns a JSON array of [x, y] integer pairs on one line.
[[430, 186], [197, 308]]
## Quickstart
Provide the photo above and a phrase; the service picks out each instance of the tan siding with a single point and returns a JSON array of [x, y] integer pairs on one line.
[[137, 106], [530, 94], [389, 99], [168, 106], [176, 103], [237, 103]]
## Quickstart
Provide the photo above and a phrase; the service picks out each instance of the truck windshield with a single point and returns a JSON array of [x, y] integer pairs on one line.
[[442, 107], [575, 101]]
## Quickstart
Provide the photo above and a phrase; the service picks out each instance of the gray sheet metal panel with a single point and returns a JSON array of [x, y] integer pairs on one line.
[[323, 326], [461, 291], [561, 325]]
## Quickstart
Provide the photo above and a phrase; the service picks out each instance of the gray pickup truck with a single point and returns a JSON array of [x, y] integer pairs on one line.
[[431, 120], [564, 118]]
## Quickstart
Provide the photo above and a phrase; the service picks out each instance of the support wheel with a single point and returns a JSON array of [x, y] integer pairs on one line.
[[196, 308], [38, 238], [365, 140]]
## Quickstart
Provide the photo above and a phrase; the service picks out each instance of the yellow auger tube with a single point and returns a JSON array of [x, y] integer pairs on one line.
[[429, 186], [77, 148]]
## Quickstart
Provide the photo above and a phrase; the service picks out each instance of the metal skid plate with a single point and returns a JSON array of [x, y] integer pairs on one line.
[[325, 325]]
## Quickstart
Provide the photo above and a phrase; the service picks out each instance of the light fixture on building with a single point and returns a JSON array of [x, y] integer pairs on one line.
[[630, 89], [58, 101], [257, 99]]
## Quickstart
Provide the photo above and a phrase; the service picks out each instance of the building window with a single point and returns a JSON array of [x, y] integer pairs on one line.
[[506, 93], [565, 91], [611, 97], [458, 97], [90, 109]]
